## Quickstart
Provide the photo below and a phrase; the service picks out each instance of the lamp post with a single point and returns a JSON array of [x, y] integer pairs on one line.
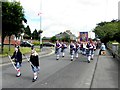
[[40, 32]]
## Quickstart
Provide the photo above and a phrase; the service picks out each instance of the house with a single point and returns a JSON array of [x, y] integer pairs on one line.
[[46, 39], [67, 33]]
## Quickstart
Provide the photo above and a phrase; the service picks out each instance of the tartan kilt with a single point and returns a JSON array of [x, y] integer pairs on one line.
[[72, 51]]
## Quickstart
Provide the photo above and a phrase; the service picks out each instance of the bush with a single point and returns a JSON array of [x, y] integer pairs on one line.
[[36, 42]]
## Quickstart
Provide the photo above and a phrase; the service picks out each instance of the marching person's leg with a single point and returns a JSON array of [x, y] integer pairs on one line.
[[89, 56], [92, 54], [57, 54], [38, 69], [72, 55], [34, 73], [100, 52], [77, 54], [80, 50], [63, 54], [18, 69], [83, 51]]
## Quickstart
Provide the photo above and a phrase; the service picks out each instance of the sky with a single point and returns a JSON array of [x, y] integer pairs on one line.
[[61, 15]]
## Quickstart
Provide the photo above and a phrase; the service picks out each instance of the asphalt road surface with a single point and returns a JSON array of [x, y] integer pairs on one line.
[[61, 73]]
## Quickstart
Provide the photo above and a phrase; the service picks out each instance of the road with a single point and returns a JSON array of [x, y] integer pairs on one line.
[[61, 73]]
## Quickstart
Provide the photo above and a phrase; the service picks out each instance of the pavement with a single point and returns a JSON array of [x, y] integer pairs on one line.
[[106, 72], [102, 72]]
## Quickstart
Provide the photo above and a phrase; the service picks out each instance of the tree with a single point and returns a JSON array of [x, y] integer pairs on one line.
[[67, 38], [117, 35], [35, 35], [106, 30], [53, 39], [12, 18], [28, 31]]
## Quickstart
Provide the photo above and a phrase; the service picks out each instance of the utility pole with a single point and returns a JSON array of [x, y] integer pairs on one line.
[[40, 13]]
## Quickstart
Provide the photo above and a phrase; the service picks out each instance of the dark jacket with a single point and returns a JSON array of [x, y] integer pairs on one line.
[[34, 60], [90, 46], [17, 56]]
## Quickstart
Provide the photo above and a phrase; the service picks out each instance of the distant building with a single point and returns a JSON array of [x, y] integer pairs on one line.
[[67, 33], [46, 39]]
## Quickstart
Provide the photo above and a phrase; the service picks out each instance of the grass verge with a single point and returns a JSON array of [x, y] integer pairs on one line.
[[24, 50]]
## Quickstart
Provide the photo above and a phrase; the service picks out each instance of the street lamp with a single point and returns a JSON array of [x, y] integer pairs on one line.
[[40, 32]]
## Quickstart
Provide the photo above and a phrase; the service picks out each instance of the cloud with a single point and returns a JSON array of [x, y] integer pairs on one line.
[[75, 15]]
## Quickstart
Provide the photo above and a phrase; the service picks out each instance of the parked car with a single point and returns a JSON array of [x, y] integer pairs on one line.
[[48, 44], [26, 44]]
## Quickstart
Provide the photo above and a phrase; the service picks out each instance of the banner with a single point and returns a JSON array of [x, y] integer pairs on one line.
[[83, 36]]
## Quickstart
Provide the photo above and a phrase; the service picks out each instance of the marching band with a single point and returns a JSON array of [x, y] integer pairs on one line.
[[86, 48], [75, 47]]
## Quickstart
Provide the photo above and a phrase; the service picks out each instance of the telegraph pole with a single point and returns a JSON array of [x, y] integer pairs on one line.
[[40, 24]]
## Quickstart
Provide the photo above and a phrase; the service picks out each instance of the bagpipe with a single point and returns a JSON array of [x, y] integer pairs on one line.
[[56, 50], [63, 48], [72, 50], [36, 68], [28, 60], [13, 62], [77, 48]]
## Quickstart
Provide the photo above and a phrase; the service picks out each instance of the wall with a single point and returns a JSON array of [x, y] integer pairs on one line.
[[114, 49]]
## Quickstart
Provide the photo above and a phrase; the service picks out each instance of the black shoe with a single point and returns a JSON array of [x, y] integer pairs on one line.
[[88, 61], [34, 80], [62, 56], [57, 59], [91, 58], [18, 75], [71, 59]]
